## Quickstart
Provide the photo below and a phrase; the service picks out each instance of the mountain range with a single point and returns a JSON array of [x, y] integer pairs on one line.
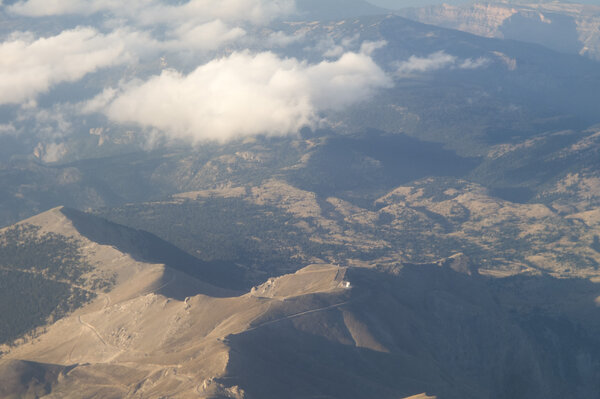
[[352, 332], [434, 235]]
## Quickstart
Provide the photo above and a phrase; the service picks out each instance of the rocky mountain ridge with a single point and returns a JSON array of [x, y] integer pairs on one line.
[[353, 332]]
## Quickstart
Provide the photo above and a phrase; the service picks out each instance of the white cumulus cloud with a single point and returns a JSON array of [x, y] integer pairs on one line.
[[432, 62], [7, 129], [207, 36], [150, 12], [242, 94], [436, 61], [471, 63], [192, 27], [30, 66]]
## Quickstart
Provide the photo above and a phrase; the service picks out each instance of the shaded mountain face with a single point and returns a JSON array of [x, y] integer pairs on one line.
[[22, 379], [445, 322]]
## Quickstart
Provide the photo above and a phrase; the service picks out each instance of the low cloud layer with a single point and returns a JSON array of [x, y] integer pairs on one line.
[[30, 66], [437, 61], [242, 94], [194, 25], [152, 12], [186, 30]]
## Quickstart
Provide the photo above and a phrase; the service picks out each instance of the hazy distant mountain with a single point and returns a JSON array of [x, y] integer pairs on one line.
[[565, 27], [399, 4]]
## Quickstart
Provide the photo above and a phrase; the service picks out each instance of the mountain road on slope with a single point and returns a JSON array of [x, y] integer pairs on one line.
[[295, 315]]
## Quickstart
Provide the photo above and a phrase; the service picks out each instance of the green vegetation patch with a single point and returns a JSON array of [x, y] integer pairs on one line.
[[53, 255], [39, 278], [263, 238], [29, 301]]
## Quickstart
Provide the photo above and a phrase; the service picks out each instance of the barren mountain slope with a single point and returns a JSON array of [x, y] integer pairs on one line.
[[137, 340], [390, 331], [55, 262]]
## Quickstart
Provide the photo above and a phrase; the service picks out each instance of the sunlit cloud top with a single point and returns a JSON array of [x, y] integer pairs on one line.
[[150, 12]]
